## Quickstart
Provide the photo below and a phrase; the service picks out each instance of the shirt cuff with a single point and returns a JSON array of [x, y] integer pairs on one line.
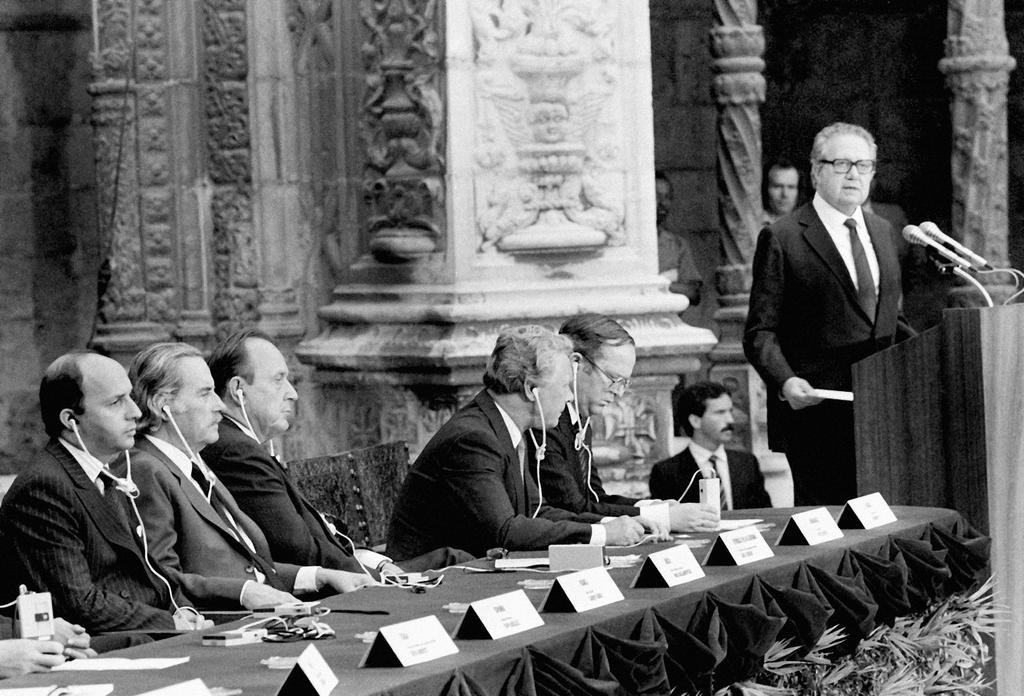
[[371, 559], [644, 503], [305, 580], [598, 535], [245, 586]]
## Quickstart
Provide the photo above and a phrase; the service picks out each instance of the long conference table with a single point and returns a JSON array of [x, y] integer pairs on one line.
[[719, 624]]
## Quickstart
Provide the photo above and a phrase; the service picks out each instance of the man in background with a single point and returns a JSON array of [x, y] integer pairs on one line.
[[782, 188], [708, 421]]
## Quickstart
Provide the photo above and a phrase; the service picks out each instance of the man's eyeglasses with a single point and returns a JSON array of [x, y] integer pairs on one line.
[[619, 384], [841, 166]]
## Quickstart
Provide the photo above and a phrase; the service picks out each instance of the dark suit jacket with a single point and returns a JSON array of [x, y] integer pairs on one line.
[[669, 479], [61, 536], [804, 319], [465, 491], [191, 540], [563, 474], [295, 531]]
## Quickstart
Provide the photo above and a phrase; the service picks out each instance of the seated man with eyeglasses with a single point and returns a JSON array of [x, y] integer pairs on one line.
[[825, 294], [604, 355]]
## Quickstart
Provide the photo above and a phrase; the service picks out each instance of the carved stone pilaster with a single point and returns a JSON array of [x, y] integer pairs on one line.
[[403, 127], [737, 44], [550, 175], [236, 254], [977, 68], [136, 282]]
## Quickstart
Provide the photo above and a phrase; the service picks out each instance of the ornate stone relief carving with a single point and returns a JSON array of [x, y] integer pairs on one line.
[[236, 267], [403, 127], [551, 179], [977, 68], [629, 426]]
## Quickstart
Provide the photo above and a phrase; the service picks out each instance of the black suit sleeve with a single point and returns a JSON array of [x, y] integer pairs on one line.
[[764, 316], [661, 484], [474, 478], [45, 524]]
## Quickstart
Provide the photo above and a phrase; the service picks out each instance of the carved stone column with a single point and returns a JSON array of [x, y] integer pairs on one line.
[[507, 177], [977, 68], [737, 44], [278, 219]]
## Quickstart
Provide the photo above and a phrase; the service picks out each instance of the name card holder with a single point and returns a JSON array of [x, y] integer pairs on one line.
[[582, 591], [738, 547], [809, 528], [311, 676], [866, 512], [499, 616], [192, 687], [668, 568], [409, 643]]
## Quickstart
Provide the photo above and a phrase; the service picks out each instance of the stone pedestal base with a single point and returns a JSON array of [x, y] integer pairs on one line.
[[397, 366]]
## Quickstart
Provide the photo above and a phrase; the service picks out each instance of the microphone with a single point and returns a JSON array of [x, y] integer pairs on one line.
[[915, 235], [932, 230]]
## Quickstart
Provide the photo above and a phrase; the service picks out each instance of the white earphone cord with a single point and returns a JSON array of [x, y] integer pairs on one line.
[[192, 456], [540, 450], [581, 430]]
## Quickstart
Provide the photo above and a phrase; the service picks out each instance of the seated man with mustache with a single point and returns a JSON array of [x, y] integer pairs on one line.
[[707, 419]]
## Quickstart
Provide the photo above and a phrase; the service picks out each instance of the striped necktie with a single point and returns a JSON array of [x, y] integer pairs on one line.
[[866, 295]]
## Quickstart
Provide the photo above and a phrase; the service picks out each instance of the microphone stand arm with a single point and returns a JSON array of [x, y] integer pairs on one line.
[[961, 273]]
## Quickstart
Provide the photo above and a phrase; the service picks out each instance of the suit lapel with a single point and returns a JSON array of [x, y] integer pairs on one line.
[[819, 240], [516, 489], [885, 254], [195, 498]]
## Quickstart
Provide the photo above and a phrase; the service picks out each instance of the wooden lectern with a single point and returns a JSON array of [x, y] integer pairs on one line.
[[939, 421]]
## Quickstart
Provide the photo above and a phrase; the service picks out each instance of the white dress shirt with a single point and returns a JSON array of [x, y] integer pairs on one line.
[[90, 464], [702, 456], [840, 235]]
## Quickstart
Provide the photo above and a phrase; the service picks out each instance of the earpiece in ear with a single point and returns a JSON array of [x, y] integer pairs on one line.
[[240, 394], [533, 390], [167, 409]]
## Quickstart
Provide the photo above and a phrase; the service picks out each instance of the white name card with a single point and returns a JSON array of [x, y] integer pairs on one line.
[[738, 547], [668, 568], [311, 676], [192, 687], [499, 616], [409, 643], [866, 512], [582, 591], [809, 528]]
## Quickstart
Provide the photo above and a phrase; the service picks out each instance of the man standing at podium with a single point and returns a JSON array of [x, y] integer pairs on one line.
[[825, 294]]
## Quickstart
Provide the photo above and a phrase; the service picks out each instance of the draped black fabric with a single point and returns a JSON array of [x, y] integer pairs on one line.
[[853, 608], [462, 685], [749, 633], [639, 661], [545, 676], [886, 580], [806, 614], [926, 568], [695, 651], [968, 551]]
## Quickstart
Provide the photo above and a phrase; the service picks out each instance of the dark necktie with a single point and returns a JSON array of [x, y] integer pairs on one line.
[[866, 294], [115, 499], [713, 463], [204, 483]]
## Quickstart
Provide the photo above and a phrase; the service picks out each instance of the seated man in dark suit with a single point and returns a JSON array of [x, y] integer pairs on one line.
[[65, 522], [468, 488], [196, 529], [707, 419], [604, 355], [251, 377]]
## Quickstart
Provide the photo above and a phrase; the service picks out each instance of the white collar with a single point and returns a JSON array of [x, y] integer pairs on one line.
[[833, 218], [177, 457], [243, 427], [90, 464], [701, 455], [574, 413], [513, 430]]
